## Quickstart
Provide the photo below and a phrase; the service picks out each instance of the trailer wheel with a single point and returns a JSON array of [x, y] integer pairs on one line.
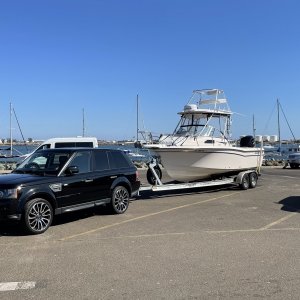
[[151, 178], [244, 185], [253, 180]]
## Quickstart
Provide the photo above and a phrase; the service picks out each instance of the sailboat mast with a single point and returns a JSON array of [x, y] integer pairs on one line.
[[278, 124], [10, 128], [137, 117], [83, 123], [254, 129]]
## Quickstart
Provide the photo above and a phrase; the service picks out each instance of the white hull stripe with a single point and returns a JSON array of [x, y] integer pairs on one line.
[[12, 286]]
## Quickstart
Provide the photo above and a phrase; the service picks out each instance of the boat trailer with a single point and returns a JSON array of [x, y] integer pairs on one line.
[[244, 179]]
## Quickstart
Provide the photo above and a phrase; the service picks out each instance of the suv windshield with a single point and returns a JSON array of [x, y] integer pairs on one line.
[[44, 162]]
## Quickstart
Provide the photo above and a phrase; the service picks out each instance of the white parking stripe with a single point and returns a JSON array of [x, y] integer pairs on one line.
[[280, 220], [146, 216], [12, 286]]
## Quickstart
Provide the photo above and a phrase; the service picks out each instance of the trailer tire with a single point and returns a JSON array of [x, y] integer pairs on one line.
[[245, 182], [151, 178], [253, 180]]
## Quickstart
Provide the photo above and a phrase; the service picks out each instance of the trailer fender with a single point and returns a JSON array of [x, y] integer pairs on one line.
[[240, 176]]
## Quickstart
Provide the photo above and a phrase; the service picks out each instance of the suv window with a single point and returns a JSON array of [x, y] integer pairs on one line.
[[117, 160], [45, 146], [57, 161], [82, 161], [44, 162], [101, 161]]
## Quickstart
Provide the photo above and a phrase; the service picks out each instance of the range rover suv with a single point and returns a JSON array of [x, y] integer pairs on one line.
[[55, 181]]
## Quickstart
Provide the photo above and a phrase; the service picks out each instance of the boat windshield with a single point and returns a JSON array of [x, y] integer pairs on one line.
[[199, 125], [44, 162]]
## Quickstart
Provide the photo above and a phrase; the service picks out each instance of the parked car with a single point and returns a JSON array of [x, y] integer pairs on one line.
[[294, 160], [56, 181]]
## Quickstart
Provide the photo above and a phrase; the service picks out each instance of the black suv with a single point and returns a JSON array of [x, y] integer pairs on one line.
[[56, 181]]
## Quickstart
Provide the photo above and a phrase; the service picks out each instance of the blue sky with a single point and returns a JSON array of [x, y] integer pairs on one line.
[[59, 57]]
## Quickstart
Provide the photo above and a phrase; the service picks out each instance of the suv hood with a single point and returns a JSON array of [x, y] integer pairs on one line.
[[16, 179]]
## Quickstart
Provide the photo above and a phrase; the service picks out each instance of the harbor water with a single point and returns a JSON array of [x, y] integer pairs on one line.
[[137, 155]]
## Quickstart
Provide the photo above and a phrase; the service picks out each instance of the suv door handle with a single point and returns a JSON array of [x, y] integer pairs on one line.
[[88, 180]]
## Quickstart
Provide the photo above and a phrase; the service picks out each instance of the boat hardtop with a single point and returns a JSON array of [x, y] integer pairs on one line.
[[207, 102]]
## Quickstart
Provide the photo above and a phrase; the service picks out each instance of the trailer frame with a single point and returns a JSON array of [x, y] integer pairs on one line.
[[244, 179]]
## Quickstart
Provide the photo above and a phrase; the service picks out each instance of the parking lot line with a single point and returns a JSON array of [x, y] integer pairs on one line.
[[279, 220], [12, 286], [251, 230], [146, 216]]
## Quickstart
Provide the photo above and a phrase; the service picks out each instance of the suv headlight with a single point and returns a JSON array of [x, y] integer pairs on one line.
[[9, 193]]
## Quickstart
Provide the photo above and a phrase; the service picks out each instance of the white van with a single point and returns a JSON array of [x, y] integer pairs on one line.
[[66, 142]]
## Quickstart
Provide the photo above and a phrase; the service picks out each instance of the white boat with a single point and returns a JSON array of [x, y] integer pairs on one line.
[[200, 146], [133, 155]]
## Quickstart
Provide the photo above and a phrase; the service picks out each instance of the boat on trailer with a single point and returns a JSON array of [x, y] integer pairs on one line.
[[200, 146]]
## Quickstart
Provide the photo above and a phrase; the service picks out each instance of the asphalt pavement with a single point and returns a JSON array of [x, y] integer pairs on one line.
[[213, 243]]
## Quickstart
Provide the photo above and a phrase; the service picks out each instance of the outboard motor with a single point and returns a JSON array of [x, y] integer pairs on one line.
[[247, 141], [138, 144]]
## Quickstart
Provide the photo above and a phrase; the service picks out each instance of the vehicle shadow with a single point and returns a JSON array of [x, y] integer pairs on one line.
[[80, 215], [291, 204], [12, 228]]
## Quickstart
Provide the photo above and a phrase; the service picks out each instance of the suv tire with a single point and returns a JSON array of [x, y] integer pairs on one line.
[[38, 216], [119, 200]]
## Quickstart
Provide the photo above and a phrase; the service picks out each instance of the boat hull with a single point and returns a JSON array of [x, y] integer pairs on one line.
[[186, 164]]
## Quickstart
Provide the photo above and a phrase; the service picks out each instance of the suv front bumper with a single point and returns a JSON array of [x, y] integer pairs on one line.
[[8, 210]]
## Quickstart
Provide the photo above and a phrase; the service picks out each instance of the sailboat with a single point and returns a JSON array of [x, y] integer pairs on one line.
[[136, 155], [287, 150], [200, 145], [11, 149], [282, 148], [146, 135]]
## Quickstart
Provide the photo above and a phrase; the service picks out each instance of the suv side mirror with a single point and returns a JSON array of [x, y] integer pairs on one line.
[[72, 170]]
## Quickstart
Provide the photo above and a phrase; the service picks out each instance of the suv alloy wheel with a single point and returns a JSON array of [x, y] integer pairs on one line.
[[119, 200], [38, 215]]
